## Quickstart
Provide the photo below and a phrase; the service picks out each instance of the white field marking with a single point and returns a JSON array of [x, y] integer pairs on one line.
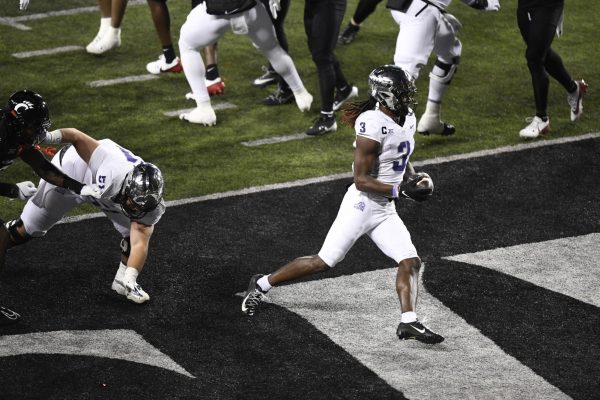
[[125, 79], [304, 182], [564, 265], [360, 313], [122, 344], [224, 105], [7, 21], [276, 139], [14, 21], [440, 160], [36, 53]]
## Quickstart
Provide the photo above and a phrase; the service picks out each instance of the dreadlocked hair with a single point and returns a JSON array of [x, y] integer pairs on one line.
[[353, 110]]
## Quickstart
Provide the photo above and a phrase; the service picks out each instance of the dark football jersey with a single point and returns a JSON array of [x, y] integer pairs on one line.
[[9, 147], [228, 7]]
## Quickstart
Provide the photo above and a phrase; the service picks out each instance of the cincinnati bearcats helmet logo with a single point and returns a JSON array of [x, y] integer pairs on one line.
[[23, 106]]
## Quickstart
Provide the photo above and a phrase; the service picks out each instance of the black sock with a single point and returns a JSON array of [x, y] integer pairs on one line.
[[573, 87], [212, 72], [542, 116], [169, 53]]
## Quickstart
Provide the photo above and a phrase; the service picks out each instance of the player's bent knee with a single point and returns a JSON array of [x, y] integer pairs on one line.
[[410, 265], [443, 72]]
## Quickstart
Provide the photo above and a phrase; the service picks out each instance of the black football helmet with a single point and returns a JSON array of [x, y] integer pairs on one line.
[[141, 191], [27, 116], [393, 88]]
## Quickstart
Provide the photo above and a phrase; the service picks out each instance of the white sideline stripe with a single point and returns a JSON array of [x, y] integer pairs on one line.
[[125, 79], [304, 182], [72, 11], [276, 139], [562, 265], [217, 106], [35, 53], [440, 160], [10, 22], [360, 313], [123, 344]]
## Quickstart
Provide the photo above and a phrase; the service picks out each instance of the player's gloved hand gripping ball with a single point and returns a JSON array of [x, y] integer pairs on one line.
[[417, 187]]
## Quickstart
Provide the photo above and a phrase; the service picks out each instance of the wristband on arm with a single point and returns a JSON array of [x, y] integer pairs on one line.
[[395, 191]]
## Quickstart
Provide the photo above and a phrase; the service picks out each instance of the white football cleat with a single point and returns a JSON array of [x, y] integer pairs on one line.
[[102, 43], [132, 290], [536, 127], [431, 124], [161, 65], [203, 114], [303, 100]]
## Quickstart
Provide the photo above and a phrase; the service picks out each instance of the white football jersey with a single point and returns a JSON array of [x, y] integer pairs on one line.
[[396, 143], [108, 166]]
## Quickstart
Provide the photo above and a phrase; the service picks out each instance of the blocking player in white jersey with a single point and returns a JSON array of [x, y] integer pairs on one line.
[[385, 127], [131, 198], [206, 24], [425, 26]]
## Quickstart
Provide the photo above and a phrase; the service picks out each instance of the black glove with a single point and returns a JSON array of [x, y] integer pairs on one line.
[[417, 187]]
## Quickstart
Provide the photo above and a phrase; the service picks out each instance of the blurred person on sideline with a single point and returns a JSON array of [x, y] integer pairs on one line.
[[538, 21]]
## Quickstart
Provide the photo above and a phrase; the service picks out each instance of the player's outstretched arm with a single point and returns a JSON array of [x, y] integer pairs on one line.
[[83, 143], [140, 241]]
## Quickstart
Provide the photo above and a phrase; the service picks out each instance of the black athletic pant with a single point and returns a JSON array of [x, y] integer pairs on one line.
[[278, 23], [538, 27], [364, 9], [280, 33], [322, 20]]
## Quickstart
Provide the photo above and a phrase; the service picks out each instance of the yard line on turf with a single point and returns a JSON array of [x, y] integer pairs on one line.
[[14, 21], [125, 79], [43, 52], [7, 21], [276, 139], [321, 179], [225, 105]]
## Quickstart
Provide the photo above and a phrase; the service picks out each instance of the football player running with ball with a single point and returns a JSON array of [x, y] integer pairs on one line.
[[385, 128], [131, 197]]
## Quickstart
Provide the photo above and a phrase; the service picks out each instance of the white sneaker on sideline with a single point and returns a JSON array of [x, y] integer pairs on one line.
[[203, 114], [215, 86], [431, 124], [109, 40], [536, 127], [161, 65]]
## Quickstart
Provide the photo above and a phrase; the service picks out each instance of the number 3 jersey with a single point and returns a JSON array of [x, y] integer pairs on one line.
[[396, 143]]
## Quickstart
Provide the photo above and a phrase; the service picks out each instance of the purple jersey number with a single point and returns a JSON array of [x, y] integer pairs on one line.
[[403, 148]]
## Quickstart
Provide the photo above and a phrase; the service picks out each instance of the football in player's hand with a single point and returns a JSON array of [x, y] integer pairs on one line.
[[425, 183], [418, 187]]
